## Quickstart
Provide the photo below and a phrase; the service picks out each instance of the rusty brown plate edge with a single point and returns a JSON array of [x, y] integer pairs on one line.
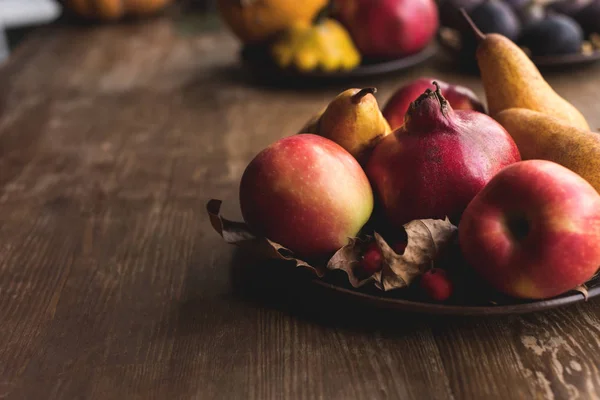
[[443, 309]]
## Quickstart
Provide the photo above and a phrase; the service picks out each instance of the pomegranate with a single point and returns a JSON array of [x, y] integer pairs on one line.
[[389, 28], [459, 97], [435, 164]]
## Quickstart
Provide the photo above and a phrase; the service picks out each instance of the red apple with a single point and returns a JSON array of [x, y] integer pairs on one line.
[[459, 97], [389, 28], [534, 231], [306, 193]]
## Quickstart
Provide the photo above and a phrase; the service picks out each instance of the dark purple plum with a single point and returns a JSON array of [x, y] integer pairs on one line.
[[589, 17], [450, 15], [494, 16], [557, 34], [568, 7], [517, 4]]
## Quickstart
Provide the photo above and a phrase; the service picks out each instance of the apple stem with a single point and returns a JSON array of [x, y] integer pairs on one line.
[[478, 34], [362, 93]]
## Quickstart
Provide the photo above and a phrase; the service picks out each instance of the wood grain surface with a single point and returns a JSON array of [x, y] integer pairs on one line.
[[114, 286]]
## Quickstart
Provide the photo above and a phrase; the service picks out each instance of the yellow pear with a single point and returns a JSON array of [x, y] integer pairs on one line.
[[353, 120], [511, 80], [540, 136]]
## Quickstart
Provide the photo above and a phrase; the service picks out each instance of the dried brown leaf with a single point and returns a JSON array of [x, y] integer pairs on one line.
[[239, 234], [426, 240], [348, 259]]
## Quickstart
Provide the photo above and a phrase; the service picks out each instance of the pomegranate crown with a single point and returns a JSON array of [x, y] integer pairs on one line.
[[430, 111], [437, 94]]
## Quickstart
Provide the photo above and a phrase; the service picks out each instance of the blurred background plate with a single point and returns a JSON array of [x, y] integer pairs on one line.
[[567, 59], [257, 60], [448, 40]]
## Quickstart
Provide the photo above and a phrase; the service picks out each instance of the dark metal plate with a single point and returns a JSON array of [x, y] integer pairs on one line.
[[463, 310], [258, 61]]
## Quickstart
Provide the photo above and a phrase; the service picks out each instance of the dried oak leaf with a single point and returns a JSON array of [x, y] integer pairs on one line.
[[348, 259], [427, 238], [239, 234]]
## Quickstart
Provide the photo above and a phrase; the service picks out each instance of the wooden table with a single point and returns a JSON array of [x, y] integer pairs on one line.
[[114, 286]]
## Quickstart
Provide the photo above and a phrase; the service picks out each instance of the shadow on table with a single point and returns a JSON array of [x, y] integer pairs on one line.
[[293, 291], [238, 74]]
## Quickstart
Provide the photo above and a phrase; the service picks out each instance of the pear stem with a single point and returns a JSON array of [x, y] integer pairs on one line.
[[478, 34], [362, 93]]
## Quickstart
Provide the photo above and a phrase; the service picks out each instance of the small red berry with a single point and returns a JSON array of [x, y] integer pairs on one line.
[[436, 284], [372, 259]]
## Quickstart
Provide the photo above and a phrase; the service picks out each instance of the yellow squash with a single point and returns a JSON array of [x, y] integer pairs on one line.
[[257, 20], [326, 46]]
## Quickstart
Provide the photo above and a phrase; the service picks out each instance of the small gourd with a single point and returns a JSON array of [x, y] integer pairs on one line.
[[325, 45]]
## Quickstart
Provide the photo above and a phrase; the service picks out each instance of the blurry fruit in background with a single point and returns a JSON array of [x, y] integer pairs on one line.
[[557, 34], [589, 17], [491, 16], [325, 46], [389, 28], [111, 10], [353, 121], [568, 7], [459, 97], [257, 20], [450, 15], [530, 14], [518, 4], [548, 29], [494, 16]]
